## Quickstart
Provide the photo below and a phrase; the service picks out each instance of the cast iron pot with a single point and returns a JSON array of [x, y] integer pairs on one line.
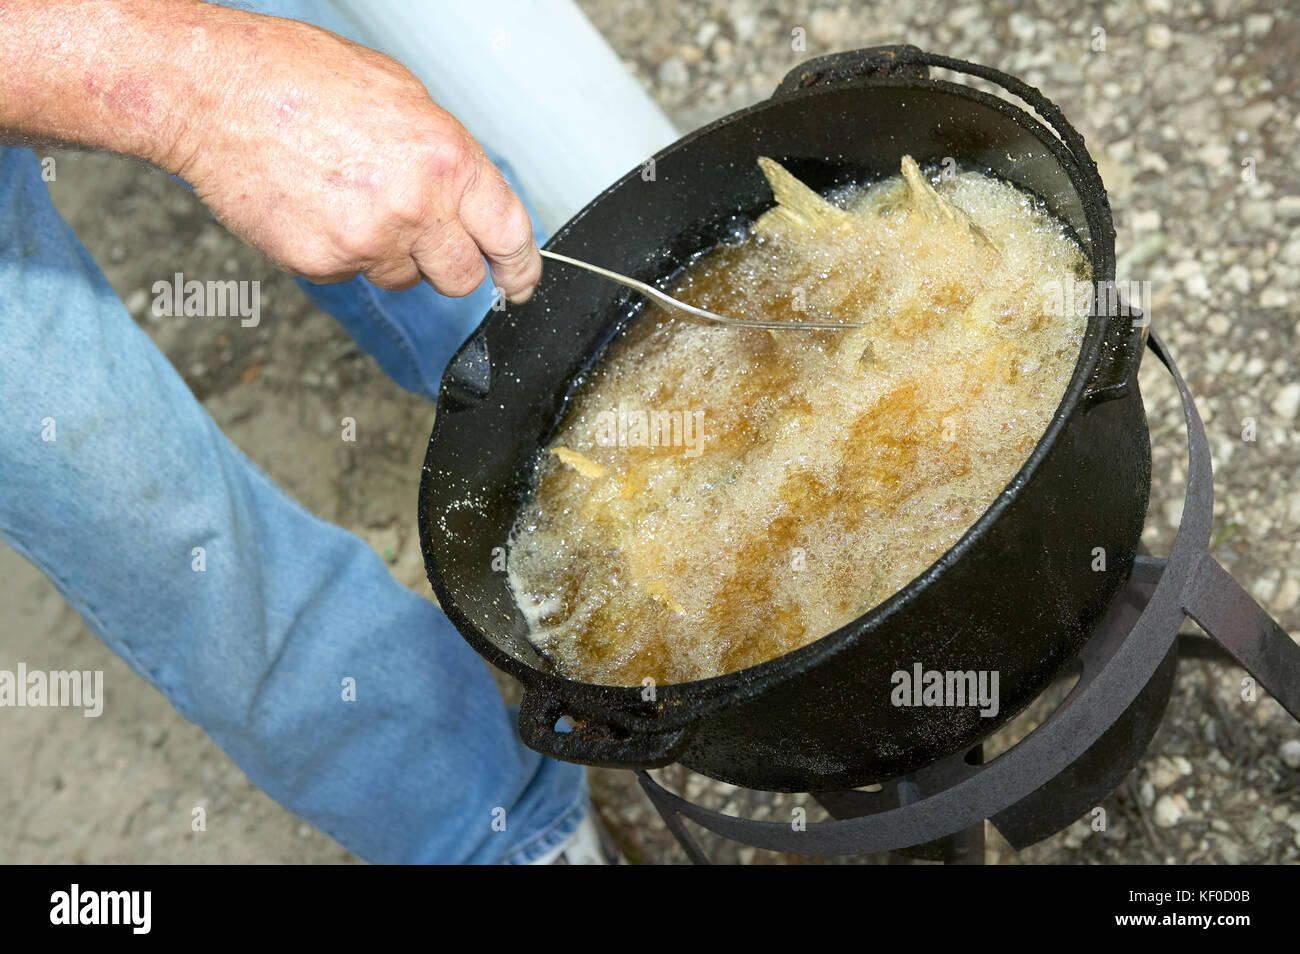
[[1018, 594]]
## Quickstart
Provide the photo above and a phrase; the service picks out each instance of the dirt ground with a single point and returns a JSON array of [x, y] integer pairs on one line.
[[1181, 102]]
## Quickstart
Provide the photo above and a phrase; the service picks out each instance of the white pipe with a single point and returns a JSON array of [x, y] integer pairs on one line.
[[531, 79]]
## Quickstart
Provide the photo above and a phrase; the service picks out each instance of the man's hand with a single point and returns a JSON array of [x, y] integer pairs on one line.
[[329, 157], [332, 159]]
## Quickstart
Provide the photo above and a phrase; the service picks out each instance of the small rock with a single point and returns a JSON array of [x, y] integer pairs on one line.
[[1147, 220], [137, 301], [1291, 252], [1230, 851], [1215, 155], [1264, 590], [1164, 773], [706, 34], [673, 72], [1288, 207], [1258, 25], [1257, 214], [1238, 278], [1290, 753], [826, 26], [1021, 26], [1288, 595], [1169, 809], [1287, 402], [1159, 36], [1151, 161], [1273, 298], [745, 26], [1252, 117]]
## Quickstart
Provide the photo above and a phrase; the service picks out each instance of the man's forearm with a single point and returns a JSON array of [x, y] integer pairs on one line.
[[130, 76], [329, 157]]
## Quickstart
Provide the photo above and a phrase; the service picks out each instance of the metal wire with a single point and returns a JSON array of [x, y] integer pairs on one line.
[[669, 302]]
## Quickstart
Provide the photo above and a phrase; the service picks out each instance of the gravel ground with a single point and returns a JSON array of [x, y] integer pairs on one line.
[[1180, 107]]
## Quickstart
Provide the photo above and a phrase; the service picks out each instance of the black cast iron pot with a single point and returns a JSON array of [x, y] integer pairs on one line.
[[1018, 594]]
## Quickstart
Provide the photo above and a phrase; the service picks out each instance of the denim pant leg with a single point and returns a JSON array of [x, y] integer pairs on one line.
[[111, 474]]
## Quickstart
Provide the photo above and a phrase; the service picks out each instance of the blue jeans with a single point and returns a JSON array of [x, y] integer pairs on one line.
[[255, 647]]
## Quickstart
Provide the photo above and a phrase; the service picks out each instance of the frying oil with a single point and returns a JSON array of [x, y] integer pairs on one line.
[[825, 469]]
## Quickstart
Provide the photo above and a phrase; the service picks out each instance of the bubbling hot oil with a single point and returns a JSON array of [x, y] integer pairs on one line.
[[830, 468]]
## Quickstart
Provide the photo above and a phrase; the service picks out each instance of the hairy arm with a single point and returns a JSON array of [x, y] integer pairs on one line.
[[329, 157]]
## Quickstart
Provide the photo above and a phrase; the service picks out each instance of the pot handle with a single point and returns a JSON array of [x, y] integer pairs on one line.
[[591, 742], [468, 377], [876, 62], [851, 65], [1117, 366]]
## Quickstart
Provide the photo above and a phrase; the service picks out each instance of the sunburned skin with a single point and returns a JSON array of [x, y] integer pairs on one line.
[[835, 466], [136, 97]]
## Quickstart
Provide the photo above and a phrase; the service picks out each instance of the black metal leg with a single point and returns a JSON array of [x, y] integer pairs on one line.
[[684, 838], [1226, 611]]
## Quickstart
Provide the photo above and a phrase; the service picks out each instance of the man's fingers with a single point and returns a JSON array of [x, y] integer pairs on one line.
[[518, 272], [396, 275], [450, 260], [498, 223]]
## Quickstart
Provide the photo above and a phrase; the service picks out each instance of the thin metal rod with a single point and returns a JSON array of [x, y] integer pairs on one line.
[[670, 302]]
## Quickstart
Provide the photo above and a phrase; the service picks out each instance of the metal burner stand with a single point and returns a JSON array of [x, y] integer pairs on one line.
[[1077, 757]]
